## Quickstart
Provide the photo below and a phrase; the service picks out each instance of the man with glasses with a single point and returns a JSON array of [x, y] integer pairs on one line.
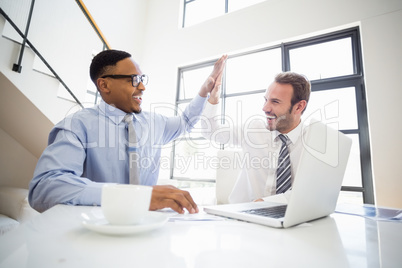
[[89, 148]]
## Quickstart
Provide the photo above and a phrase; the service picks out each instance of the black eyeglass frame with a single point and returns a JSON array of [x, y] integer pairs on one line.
[[139, 78]]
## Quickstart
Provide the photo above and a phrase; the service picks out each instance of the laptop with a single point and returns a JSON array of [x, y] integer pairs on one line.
[[316, 185]]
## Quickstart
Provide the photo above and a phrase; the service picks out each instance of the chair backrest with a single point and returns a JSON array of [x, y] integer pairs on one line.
[[226, 174], [14, 204]]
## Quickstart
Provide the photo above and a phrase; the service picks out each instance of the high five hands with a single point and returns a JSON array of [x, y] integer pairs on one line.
[[214, 80]]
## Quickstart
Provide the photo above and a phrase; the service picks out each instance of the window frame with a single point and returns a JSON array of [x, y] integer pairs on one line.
[[185, 2]]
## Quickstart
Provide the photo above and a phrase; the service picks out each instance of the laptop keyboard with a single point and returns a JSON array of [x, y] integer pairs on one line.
[[272, 212]]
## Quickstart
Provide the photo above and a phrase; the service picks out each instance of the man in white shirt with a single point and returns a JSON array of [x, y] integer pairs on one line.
[[285, 101]]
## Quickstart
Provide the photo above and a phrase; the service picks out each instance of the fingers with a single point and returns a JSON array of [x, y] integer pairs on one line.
[[164, 196], [218, 67]]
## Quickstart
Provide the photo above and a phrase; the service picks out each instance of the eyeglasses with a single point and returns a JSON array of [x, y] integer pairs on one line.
[[135, 78]]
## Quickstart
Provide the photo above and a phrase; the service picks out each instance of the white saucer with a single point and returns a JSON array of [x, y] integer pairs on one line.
[[152, 221]]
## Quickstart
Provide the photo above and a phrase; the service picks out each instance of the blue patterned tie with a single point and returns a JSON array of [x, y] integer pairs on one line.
[[283, 171], [132, 151]]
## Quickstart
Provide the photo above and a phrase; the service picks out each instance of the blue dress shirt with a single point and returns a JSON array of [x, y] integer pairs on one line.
[[88, 149]]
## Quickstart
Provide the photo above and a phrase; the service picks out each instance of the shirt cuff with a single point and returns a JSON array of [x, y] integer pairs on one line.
[[199, 100], [91, 195], [210, 109]]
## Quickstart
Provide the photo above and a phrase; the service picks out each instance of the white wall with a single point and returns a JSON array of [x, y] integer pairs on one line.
[[382, 46], [166, 47], [122, 22]]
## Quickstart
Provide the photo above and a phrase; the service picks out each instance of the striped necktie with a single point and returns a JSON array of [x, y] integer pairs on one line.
[[132, 151], [283, 171]]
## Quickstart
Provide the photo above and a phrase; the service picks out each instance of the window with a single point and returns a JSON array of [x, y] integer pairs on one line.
[[196, 11], [332, 63]]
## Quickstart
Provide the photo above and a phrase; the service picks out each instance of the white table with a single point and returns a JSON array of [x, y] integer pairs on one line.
[[57, 238]]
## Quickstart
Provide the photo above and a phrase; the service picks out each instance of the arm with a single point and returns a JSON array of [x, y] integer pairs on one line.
[[211, 127], [57, 178], [169, 196]]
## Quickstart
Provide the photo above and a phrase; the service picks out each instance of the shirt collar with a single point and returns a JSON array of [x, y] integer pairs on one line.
[[293, 135], [114, 114]]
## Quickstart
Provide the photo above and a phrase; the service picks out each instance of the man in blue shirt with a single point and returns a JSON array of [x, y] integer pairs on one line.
[[88, 149]]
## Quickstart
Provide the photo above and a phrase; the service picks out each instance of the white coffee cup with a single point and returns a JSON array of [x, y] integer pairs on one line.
[[125, 204]]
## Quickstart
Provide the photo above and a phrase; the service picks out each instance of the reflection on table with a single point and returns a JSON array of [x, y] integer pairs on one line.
[[58, 238]]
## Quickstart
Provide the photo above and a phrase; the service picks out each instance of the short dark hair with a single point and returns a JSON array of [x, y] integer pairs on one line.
[[301, 86], [101, 62]]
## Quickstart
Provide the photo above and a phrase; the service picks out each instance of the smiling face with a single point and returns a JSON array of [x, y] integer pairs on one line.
[[280, 113], [120, 92]]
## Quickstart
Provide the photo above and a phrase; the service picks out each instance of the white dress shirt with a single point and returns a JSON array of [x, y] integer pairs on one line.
[[260, 152]]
